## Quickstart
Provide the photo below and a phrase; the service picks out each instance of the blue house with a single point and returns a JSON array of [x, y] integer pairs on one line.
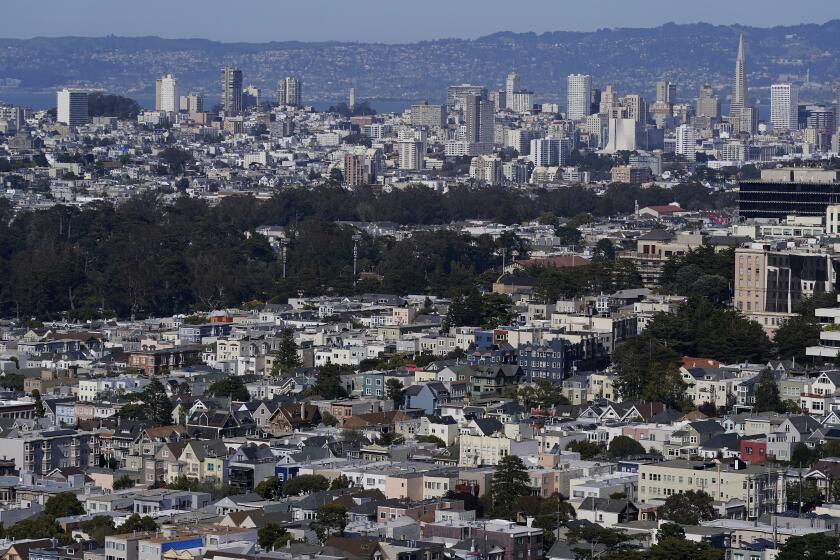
[[427, 397], [373, 384]]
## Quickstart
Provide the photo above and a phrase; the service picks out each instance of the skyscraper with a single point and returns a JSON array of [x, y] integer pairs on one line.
[[411, 155], [352, 103], [72, 107], [784, 107], [511, 87], [231, 90], [289, 92], [666, 92], [579, 96], [636, 107], [166, 94], [708, 104], [686, 142], [739, 84], [609, 100], [480, 116]]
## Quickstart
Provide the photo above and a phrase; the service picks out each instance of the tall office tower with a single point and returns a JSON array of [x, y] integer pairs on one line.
[[352, 100], [739, 84], [837, 108], [411, 155], [456, 96], [72, 107], [432, 116], [784, 106], [666, 92], [609, 100], [686, 142], [231, 90], [289, 92], [521, 102], [708, 104], [192, 103], [636, 107], [546, 152], [511, 87], [595, 101], [480, 116], [166, 94], [487, 126], [251, 96], [579, 96]]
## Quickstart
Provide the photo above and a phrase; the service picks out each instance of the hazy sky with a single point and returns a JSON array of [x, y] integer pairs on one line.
[[382, 20]]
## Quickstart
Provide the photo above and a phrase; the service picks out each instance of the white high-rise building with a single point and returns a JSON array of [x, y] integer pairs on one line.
[[547, 152], [411, 155], [72, 107], [579, 96], [166, 94], [511, 87], [289, 92], [686, 145], [784, 106]]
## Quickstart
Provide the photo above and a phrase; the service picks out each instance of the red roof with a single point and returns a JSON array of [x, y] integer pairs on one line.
[[688, 362]]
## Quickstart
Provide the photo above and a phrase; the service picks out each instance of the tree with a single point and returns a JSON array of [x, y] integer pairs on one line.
[[136, 523], [688, 508], [123, 483], [803, 495], [816, 546], [767, 393], [678, 548], [63, 504], [510, 481], [328, 383], [287, 358], [306, 484], [176, 159], [394, 390], [340, 482], [647, 369], [231, 387], [270, 488], [156, 403], [268, 536], [389, 438], [551, 514], [331, 519], [39, 404], [802, 456], [587, 449], [328, 419], [623, 446], [42, 526], [98, 528], [794, 336], [431, 439], [670, 530]]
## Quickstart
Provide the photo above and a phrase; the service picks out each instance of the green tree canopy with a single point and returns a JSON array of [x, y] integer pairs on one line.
[[63, 504], [623, 446], [305, 484], [156, 403], [510, 481], [688, 508], [231, 387]]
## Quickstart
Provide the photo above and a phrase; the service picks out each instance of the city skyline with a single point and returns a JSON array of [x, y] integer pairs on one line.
[[322, 20]]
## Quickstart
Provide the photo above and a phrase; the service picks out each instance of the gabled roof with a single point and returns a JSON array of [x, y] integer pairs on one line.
[[489, 426], [657, 235]]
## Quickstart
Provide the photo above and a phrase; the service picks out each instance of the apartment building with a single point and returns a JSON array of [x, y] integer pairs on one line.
[[770, 283], [748, 491], [42, 451]]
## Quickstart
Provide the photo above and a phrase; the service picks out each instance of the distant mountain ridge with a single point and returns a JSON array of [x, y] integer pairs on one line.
[[631, 59]]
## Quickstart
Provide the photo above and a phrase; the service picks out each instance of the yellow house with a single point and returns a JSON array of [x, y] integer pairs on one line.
[[602, 386], [205, 461]]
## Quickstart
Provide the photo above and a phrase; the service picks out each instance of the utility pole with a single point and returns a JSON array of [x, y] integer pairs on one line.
[[356, 239], [284, 244]]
